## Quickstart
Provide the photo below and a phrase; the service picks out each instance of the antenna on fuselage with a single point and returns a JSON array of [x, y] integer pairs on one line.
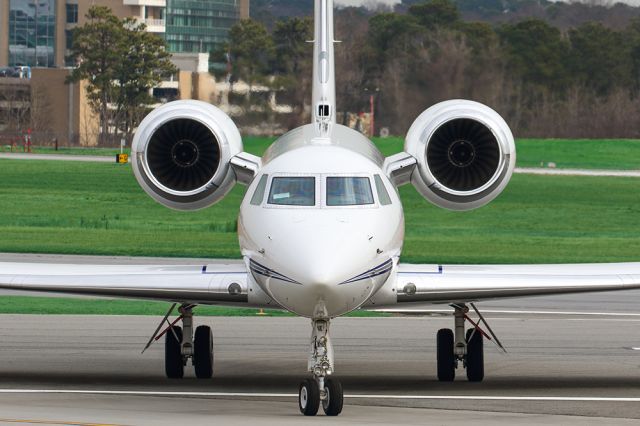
[[324, 76]]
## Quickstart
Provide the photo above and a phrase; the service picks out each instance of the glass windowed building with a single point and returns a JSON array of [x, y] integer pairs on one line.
[[201, 26], [36, 36], [38, 33], [32, 33]]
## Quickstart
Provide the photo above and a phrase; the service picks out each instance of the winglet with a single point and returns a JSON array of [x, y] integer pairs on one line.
[[324, 78]]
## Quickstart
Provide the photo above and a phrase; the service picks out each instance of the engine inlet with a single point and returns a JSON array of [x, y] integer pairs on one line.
[[183, 155], [463, 154]]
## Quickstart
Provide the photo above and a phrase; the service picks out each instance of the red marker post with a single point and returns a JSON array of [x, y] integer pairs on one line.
[[27, 141]]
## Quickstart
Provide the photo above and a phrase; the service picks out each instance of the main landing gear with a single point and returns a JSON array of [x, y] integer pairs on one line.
[[320, 389], [455, 347], [182, 344]]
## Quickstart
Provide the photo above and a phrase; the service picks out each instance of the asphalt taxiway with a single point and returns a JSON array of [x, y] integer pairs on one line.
[[89, 369], [570, 360]]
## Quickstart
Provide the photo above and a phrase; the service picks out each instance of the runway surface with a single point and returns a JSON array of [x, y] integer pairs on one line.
[[556, 366], [577, 361], [518, 170]]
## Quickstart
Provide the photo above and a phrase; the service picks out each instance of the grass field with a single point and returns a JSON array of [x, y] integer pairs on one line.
[[82, 208], [621, 154], [580, 153], [70, 306]]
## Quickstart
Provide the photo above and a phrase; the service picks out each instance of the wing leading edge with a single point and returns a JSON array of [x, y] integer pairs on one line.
[[218, 284], [227, 284], [420, 284]]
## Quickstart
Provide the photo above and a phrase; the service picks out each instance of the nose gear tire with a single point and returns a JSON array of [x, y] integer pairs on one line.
[[332, 404], [309, 397]]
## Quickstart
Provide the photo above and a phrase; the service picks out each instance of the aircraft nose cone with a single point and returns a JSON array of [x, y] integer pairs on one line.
[[320, 275], [322, 266], [325, 267]]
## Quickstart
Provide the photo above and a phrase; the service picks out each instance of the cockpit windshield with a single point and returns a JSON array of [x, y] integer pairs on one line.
[[349, 191], [293, 191]]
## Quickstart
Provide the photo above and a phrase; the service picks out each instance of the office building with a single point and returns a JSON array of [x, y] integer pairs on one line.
[[38, 33], [201, 26]]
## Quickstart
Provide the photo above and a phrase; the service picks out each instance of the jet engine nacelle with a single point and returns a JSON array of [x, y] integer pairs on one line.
[[465, 154], [181, 154]]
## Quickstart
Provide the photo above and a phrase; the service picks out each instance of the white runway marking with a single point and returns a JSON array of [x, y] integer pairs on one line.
[[494, 311], [577, 172], [291, 395]]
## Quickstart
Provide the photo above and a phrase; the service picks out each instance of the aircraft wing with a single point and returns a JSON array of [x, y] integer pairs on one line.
[[470, 283], [220, 284]]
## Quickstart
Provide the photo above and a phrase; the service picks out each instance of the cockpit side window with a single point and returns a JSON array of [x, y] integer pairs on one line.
[[348, 191], [293, 191], [383, 195], [258, 195]]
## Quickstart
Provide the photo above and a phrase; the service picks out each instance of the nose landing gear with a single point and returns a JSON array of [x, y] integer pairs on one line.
[[320, 389]]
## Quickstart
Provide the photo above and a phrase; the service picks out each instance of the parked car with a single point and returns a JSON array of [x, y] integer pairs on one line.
[[9, 72]]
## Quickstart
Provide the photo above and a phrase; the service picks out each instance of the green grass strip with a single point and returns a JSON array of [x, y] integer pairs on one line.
[[82, 306], [83, 208], [608, 154]]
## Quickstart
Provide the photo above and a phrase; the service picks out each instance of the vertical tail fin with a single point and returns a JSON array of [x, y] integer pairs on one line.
[[324, 77]]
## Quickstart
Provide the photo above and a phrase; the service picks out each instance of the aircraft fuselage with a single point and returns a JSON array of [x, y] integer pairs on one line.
[[321, 227]]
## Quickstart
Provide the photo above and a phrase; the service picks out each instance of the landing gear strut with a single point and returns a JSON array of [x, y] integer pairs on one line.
[[182, 344], [320, 389], [455, 347]]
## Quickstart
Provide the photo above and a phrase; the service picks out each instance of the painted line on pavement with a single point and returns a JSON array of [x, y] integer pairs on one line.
[[53, 422], [496, 311], [577, 172], [291, 395]]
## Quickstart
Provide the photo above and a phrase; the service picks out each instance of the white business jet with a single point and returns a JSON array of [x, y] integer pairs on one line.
[[321, 227]]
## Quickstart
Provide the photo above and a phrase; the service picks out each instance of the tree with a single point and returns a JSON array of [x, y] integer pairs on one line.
[[96, 53], [290, 38], [293, 62], [389, 33], [386, 28], [632, 37], [145, 63], [121, 62], [536, 52], [251, 50], [599, 57], [480, 36], [436, 13]]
